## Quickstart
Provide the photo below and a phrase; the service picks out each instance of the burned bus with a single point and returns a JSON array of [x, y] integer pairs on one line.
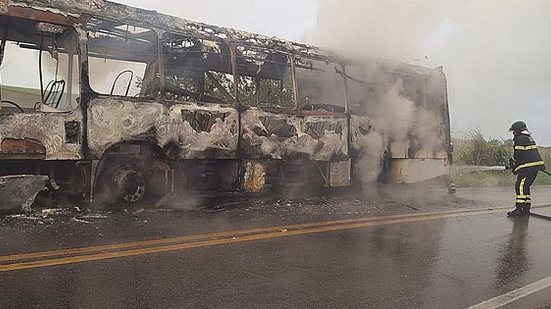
[[104, 99]]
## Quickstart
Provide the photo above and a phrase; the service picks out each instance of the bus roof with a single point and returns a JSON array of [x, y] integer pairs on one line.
[[119, 14]]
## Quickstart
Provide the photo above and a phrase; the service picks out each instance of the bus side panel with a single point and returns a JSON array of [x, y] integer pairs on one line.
[[406, 171], [198, 132], [331, 134], [59, 133], [282, 136]]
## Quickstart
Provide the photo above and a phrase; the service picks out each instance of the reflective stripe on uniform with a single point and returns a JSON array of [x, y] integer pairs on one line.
[[522, 202], [526, 147], [521, 186], [523, 197], [531, 164]]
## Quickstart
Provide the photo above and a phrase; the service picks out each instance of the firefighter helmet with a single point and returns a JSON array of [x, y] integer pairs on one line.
[[518, 126]]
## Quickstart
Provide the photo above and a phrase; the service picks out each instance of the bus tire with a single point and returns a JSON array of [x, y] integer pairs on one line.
[[123, 181]]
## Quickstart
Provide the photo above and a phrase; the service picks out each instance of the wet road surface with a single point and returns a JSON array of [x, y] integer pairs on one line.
[[538, 300], [456, 258]]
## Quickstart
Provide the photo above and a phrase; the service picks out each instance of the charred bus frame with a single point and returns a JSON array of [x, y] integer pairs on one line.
[[229, 109]]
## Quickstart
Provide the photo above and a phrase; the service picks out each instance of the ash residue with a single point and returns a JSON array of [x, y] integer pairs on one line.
[[60, 219], [318, 207]]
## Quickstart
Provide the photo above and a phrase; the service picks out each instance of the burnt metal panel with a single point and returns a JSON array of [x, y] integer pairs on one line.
[[198, 131], [19, 191], [277, 127], [22, 147], [51, 16], [254, 177], [202, 121], [339, 173], [46, 128], [285, 136], [4, 6]]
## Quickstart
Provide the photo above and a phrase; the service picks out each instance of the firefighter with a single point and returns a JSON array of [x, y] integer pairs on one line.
[[525, 163]]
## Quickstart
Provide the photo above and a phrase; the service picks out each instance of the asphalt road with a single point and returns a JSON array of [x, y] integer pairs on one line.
[[278, 255]]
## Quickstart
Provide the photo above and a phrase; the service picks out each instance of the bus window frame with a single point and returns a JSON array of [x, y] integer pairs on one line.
[[290, 58], [162, 67], [344, 87], [50, 19], [85, 65]]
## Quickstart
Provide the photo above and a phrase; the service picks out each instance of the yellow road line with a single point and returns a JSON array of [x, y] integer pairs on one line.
[[271, 233], [223, 234]]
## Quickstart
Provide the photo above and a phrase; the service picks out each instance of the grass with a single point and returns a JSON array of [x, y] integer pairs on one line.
[[16, 89], [24, 97], [492, 179]]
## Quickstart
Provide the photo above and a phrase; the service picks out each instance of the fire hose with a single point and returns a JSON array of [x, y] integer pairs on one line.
[[494, 168], [543, 171], [508, 167]]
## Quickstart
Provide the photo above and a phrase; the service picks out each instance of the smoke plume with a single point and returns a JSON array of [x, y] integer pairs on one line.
[[394, 30], [380, 29], [369, 161], [493, 52], [393, 114]]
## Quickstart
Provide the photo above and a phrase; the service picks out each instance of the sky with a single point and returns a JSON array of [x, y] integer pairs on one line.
[[495, 53], [288, 19]]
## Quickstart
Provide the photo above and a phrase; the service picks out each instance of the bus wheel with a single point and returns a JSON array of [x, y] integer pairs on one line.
[[123, 181]]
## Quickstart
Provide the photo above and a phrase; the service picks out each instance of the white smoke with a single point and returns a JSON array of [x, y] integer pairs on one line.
[[381, 29], [494, 52], [393, 114], [397, 120], [397, 30], [369, 165]]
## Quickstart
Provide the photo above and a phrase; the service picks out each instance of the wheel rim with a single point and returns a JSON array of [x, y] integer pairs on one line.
[[130, 183]]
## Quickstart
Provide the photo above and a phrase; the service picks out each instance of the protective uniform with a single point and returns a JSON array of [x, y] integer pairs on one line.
[[525, 163]]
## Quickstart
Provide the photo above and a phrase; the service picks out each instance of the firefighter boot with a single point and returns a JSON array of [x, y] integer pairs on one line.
[[526, 210], [516, 212]]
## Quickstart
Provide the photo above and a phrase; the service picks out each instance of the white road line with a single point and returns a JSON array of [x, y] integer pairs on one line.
[[507, 298]]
